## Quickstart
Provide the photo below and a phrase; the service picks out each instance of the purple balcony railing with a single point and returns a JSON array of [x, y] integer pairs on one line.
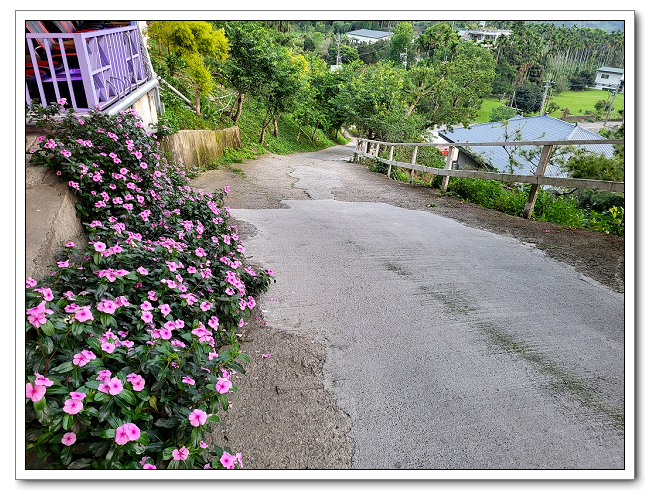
[[97, 69]]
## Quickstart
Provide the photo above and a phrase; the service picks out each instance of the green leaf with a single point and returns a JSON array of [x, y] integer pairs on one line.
[[108, 434], [40, 404], [127, 396], [213, 418], [224, 401], [63, 368], [67, 421], [82, 463], [66, 455], [144, 438], [94, 343], [152, 402], [105, 318], [245, 357], [48, 328], [48, 345]]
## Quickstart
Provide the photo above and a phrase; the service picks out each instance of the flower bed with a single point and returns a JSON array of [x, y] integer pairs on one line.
[[131, 342]]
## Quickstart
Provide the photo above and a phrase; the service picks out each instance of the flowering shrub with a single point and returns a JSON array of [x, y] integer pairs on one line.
[[131, 342]]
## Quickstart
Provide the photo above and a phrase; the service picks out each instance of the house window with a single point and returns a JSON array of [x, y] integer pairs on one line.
[[604, 77]]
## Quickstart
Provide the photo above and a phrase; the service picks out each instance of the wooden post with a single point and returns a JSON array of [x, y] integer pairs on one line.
[[413, 159], [390, 158], [450, 160], [534, 188]]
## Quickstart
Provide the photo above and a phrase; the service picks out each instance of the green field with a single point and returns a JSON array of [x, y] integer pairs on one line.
[[578, 102]]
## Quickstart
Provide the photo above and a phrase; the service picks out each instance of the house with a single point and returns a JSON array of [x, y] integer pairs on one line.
[[519, 128], [90, 64], [368, 36], [609, 78], [482, 35]]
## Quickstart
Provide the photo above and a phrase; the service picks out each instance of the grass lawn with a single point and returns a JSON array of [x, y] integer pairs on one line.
[[577, 101]]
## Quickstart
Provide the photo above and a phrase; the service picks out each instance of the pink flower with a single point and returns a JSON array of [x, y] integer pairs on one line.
[[227, 460], [72, 406], [103, 375], [121, 435], [213, 322], [265, 355], [146, 317], [41, 380], [108, 347], [198, 417], [115, 386], [164, 309], [83, 314], [107, 306], [188, 380], [223, 385], [205, 305], [149, 466], [133, 431], [226, 189], [77, 395], [30, 282], [69, 438], [181, 454], [138, 383], [99, 246], [34, 392], [142, 271], [270, 272], [203, 445], [146, 306]]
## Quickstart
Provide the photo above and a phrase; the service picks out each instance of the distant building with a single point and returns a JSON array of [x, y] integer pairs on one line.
[[532, 128], [482, 35], [609, 78], [368, 36]]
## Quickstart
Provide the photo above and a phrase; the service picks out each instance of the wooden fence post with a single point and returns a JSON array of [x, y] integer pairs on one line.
[[390, 158], [534, 188], [450, 160], [413, 159]]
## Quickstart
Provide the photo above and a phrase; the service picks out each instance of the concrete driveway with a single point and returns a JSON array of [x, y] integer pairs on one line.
[[447, 347]]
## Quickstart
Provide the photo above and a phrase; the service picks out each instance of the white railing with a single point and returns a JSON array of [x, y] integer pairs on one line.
[[92, 69]]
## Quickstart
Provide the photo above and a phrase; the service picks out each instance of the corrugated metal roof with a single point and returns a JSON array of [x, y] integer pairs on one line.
[[519, 128], [370, 33], [610, 70]]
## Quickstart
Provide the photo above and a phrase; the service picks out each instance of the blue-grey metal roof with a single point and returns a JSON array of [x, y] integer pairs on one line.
[[370, 33], [607, 69], [520, 128]]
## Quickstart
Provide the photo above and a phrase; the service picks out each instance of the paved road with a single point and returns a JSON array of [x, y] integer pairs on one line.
[[449, 347]]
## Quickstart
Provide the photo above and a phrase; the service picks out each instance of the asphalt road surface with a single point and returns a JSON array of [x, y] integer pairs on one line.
[[447, 347]]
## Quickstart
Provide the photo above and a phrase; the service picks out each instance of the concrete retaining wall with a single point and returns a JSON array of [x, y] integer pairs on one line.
[[201, 147]]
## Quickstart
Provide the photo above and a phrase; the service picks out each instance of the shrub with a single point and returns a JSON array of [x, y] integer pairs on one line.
[[131, 341]]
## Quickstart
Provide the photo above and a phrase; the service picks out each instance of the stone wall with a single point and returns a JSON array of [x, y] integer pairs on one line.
[[201, 147]]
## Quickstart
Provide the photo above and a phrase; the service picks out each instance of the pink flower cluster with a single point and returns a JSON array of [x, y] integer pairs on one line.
[[37, 390], [36, 315], [127, 432]]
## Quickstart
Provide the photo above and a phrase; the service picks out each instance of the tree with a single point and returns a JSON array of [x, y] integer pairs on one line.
[[463, 81], [528, 98], [581, 80], [194, 41], [401, 42], [438, 42], [348, 54], [250, 50]]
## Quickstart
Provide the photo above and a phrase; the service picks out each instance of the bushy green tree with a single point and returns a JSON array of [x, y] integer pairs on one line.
[[528, 98], [194, 41]]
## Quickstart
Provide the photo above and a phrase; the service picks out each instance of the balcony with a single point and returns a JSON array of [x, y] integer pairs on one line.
[[107, 69]]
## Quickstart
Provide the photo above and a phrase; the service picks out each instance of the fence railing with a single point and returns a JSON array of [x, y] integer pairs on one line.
[[98, 69], [367, 148]]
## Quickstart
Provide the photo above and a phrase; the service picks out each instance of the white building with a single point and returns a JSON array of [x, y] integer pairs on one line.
[[609, 78], [368, 36]]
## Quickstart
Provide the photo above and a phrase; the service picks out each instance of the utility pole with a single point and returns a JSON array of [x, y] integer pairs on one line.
[[611, 104], [404, 56], [338, 49], [547, 85]]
